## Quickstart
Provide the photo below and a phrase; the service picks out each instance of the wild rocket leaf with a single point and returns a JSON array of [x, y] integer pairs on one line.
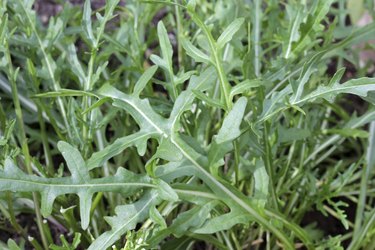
[[312, 24], [210, 101], [185, 222], [80, 183], [108, 14], [165, 191], [54, 32], [245, 86], [138, 139], [229, 131], [87, 24], [223, 222], [144, 79], [76, 65], [185, 100], [294, 34], [152, 125], [186, 135], [361, 87], [191, 219], [156, 217], [165, 44], [172, 170], [126, 219], [140, 109], [261, 184], [157, 60], [75, 162], [229, 32], [195, 53], [165, 61], [308, 68], [148, 120]]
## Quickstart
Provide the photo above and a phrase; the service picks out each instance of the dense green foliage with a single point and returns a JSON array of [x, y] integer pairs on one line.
[[227, 124]]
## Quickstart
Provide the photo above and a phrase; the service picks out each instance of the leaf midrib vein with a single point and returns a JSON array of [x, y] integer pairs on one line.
[[328, 91], [89, 185], [145, 116]]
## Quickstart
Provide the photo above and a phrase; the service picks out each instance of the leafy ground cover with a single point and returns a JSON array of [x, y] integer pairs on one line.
[[187, 125]]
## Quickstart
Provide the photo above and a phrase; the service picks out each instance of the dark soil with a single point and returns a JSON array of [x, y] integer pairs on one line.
[[49, 8]]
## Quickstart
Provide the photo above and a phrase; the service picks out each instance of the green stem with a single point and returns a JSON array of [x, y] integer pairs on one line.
[[268, 164], [179, 32], [87, 101], [217, 61], [35, 243], [230, 195], [235, 240], [95, 203], [56, 85], [88, 86], [366, 173], [100, 144], [257, 24], [226, 193], [25, 148], [11, 216], [47, 151], [236, 161], [47, 230]]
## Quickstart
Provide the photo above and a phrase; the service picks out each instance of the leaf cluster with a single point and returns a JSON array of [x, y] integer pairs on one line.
[[179, 123]]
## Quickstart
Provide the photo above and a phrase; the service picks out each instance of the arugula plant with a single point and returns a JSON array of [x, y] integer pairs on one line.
[[182, 123]]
